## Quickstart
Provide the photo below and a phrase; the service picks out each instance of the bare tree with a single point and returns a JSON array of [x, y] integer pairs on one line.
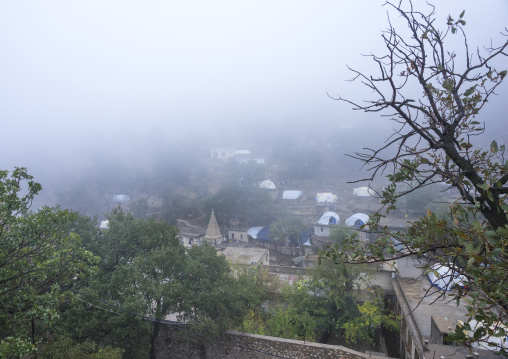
[[434, 142]]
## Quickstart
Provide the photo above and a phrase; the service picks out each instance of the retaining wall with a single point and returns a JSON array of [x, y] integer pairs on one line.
[[236, 345]]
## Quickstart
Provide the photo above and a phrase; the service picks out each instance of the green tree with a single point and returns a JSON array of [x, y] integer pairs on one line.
[[341, 233], [437, 141], [285, 228], [285, 321], [38, 259], [338, 286], [146, 270], [65, 347], [363, 327]]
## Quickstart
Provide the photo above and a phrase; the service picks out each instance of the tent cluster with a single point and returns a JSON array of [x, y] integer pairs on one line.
[[356, 220]]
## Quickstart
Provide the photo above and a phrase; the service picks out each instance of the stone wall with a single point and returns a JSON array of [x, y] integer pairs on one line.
[[235, 345]]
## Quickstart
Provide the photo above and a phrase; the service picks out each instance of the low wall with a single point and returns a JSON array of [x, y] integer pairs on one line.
[[288, 270], [381, 278], [233, 345]]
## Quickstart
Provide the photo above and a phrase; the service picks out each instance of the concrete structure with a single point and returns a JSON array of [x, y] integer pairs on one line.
[[188, 234], [189, 239], [235, 345], [213, 235], [222, 153], [239, 235], [325, 224], [247, 256], [428, 315]]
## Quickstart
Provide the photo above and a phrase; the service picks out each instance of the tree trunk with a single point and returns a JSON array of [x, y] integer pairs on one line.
[[156, 329], [153, 338]]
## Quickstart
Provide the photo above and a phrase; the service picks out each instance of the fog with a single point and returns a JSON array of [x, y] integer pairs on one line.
[[127, 82]]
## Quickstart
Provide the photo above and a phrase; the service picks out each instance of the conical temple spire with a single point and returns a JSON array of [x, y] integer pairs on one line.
[[213, 231]]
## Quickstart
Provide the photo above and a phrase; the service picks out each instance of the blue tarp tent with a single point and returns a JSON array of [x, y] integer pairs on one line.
[[445, 278], [260, 233], [357, 220], [329, 218]]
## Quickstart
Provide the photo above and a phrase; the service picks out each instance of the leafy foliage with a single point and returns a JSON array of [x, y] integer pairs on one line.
[[147, 271], [285, 228], [65, 347], [38, 258], [327, 300], [363, 327]]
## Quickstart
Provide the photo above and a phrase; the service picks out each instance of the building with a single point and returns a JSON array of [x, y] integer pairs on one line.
[[428, 316], [239, 235], [325, 224], [213, 235]]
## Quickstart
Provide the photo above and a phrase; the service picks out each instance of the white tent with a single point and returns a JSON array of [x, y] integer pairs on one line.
[[326, 197], [445, 278], [363, 192], [357, 220], [290, 194], [499, 342], [329, 218], [267, 184]]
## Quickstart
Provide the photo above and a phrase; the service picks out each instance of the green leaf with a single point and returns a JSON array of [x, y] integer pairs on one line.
[[469, 91], [462, 14], [493, 147], [447, 84]]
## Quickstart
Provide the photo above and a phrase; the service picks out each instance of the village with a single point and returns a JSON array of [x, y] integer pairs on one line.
[[426, 314]]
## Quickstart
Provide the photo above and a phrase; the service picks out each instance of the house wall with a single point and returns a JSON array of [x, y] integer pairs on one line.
[[235, 345], [322, 230], [222, 153], [188, 241], [240, 236], [411, 339]]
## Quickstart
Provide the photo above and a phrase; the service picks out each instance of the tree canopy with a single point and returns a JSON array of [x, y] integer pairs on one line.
[[38, 259], [147, 272], [437, 141]]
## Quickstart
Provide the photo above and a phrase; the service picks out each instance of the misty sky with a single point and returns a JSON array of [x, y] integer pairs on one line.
[[84, 74]]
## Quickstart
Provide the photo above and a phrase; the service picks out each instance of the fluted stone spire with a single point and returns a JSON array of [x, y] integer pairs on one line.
[[213, 231]]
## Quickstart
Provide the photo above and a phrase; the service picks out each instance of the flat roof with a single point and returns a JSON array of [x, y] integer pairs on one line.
[[245, 255], [426, 301]]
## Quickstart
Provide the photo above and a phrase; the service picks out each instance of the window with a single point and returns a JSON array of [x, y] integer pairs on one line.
[[321, 229], [215, 154], [223, 154], [241, 236]]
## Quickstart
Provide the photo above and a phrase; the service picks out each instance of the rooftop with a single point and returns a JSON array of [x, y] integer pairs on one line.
[[246, 256]]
